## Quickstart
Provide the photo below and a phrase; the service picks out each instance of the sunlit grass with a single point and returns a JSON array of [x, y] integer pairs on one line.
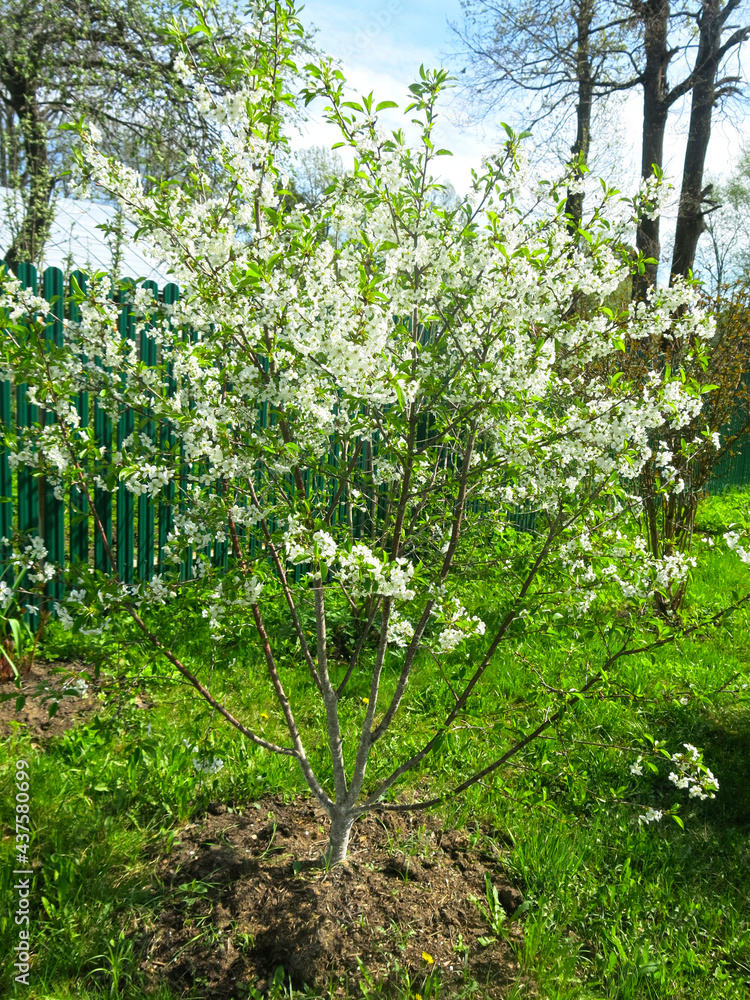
[[617, 909]]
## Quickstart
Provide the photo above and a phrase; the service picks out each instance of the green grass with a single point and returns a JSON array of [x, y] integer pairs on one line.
[[617, 910], [720, 511]]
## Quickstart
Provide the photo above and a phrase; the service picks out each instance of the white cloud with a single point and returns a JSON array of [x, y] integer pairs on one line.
[[381, 45]]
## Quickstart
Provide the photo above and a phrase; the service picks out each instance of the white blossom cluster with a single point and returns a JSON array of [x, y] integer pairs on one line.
[[651, 815], [653, 193], [205, 765], [300, 545], [229, 597], [455, 623], [79, 686], [693, 775], [30, 556], [367, 574], [732, 538], [400, 631], [603, 555]]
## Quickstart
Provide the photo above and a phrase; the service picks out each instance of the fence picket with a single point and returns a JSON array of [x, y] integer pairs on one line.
[[102, 497], [147, 350], [26, 416], [125, 511], [79, 508], [141, 533], [52, 512]]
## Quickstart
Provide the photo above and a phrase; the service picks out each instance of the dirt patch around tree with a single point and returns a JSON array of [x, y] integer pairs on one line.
[[71, 686], [244, 900]]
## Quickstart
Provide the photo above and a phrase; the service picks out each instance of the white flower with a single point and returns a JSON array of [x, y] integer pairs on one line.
[[637, 767], [692, 775], [63, 616], [80, 686], [732, 538], [325, 545], [400, 631], [253, 588], [157, 591], [458, 625], [211, 766], [651, 816]]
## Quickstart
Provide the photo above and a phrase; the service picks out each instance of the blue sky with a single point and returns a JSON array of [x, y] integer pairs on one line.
[[382, 43]]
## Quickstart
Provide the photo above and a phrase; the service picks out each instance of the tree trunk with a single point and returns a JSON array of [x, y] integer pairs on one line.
[[29, 241], [691, 217], [655, 108], [4, 151], [581, 146], [10, 143], [338, 842]]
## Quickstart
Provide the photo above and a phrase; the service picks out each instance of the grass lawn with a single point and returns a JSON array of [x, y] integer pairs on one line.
[[616, 908]]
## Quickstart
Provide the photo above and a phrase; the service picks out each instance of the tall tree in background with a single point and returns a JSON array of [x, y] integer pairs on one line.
[[112, 62], [665, 36], [709, 89], [573, 54], [723, 258], [560, 56]]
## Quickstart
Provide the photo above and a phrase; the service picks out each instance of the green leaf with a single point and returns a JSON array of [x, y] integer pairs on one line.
[[15, 629], [523, 908], [385, 104]]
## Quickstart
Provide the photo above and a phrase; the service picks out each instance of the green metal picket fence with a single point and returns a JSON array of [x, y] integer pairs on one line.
[[137, 528], [136, 532], [734, 469]]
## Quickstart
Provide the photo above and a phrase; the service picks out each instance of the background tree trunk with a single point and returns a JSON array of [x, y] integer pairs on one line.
[[29, 241], [581, 146], [691, 222], [655, 14]]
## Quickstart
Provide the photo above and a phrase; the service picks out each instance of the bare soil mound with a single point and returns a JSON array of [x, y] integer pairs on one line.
[[69, 685], [245, 900]]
